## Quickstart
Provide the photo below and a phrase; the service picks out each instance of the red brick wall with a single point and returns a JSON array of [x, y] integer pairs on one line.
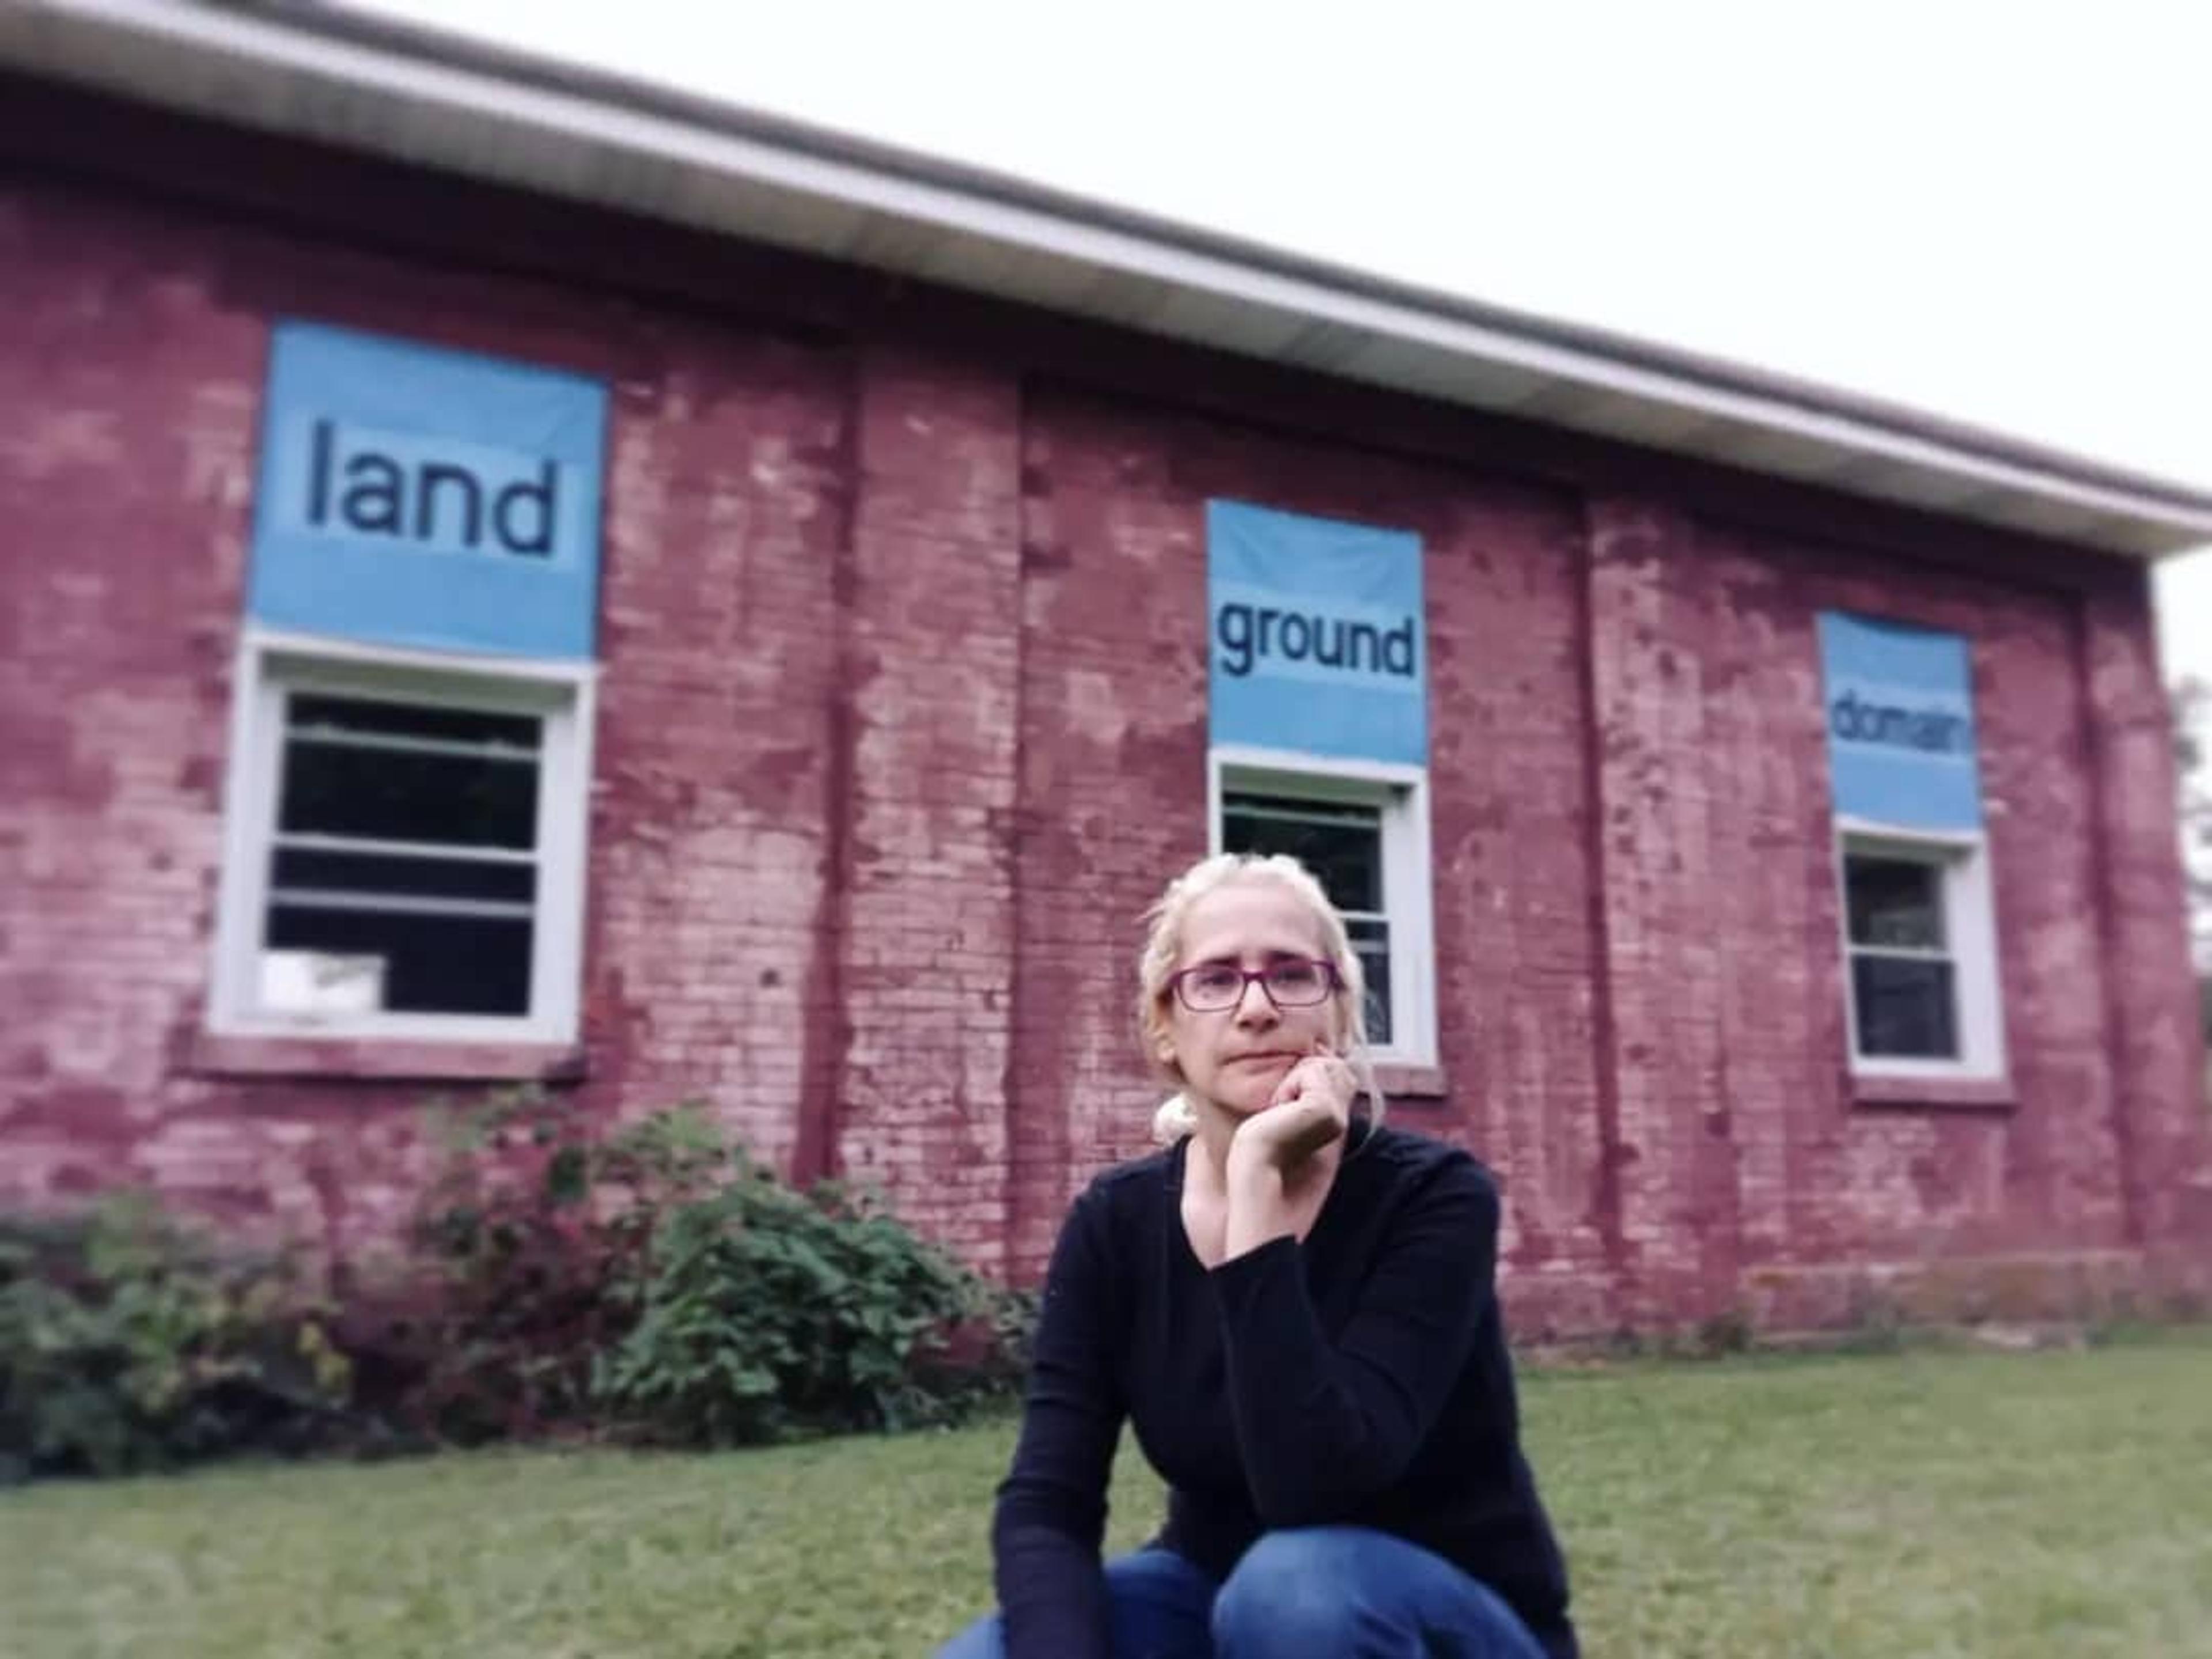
[[127, 470], [928, 944], [902, 723]]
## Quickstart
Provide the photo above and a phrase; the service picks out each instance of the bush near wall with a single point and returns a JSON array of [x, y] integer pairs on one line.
[[660, 1284], [653, 1284], [128, 1342]]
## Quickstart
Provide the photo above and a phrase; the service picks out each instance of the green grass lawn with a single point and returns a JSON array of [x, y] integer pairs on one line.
[[1928, 1505]]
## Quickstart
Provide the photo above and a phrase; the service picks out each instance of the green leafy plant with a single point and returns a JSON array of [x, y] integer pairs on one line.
[[129, 1340], [655, 1283], [764, 1311], [651, 1282], [514, 1283]]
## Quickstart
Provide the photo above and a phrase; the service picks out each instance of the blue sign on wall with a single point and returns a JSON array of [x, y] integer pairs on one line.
[[1318, 635], [1900, 718], [417, 496]]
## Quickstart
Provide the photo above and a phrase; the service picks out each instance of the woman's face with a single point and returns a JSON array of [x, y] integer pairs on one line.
[[1235, 1056]]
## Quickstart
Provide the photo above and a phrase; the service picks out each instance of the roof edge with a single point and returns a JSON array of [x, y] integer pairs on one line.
[[2139, 514]]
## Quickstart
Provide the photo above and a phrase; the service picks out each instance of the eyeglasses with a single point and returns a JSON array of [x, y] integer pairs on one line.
[[1214, 987]]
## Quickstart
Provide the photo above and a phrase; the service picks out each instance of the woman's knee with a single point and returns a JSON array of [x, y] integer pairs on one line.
[[1157, 1605], [1360, 1593], [1296, 1592], [984, 1639]]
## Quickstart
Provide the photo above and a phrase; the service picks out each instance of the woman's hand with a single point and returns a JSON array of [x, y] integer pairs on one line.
[[1312, 1108], [1276, 1178]]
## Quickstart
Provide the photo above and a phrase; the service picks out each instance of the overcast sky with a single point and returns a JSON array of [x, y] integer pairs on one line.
[[1994, 212]]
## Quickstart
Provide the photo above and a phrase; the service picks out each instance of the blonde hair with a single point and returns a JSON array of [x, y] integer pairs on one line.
[[1176, 1118]]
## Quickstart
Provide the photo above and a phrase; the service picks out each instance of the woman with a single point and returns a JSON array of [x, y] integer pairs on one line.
[[1295, 1312]]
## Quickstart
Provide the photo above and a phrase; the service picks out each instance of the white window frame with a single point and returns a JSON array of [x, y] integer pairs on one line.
[[270, 663], [1969, 931], [1408, 879]]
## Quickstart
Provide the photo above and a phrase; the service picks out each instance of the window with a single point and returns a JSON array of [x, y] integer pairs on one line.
[[1904, 980], [1921, 953], [1341, 842], [405, 849], [1362, 830]]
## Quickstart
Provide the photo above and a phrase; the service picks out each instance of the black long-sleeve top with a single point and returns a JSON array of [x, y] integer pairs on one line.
[[1359, 1377]]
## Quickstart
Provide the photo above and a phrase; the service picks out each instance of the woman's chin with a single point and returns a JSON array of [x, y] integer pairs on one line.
[[1243, 1099]]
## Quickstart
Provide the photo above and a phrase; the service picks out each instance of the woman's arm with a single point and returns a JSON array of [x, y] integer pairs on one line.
[[1051, 1515], [1323, 1426]]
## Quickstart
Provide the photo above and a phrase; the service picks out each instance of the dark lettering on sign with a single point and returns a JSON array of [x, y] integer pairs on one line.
[[434, 474], [1398, 650], [1248, 635], [372, 505], [441, 501], [1927, 730]]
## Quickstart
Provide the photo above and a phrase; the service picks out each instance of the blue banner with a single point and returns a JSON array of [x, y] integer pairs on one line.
[[416, 497], [1316, 634], [1901, 718]]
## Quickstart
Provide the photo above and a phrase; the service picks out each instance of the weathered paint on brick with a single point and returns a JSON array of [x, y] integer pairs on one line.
[[901, 723]]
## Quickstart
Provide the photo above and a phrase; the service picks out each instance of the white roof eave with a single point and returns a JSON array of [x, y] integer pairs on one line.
[[322, 73]]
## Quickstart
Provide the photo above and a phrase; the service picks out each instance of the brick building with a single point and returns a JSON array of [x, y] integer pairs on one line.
[[511, 575]]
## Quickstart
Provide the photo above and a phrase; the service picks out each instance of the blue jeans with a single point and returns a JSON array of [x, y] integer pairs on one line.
[[1311, 1593]]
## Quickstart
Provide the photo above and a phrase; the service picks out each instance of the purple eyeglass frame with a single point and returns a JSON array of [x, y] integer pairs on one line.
[[1327, 968]]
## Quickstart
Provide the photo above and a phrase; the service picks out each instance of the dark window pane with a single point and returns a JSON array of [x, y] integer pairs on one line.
[[1897, 902], [1371, 942], [431, 964], [368, 717], [1904, 1007], [392, 795], [1342, 845], [372, 873]]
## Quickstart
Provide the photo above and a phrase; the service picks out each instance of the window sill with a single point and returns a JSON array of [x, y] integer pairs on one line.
[[1399, 1081], [1935, 1093], [410, 1059]]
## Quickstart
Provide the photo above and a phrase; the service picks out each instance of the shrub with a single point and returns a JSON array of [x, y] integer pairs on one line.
[[656, 1284], [128, 1342], [764, 1311], [652, 1283], [511, 1283]]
